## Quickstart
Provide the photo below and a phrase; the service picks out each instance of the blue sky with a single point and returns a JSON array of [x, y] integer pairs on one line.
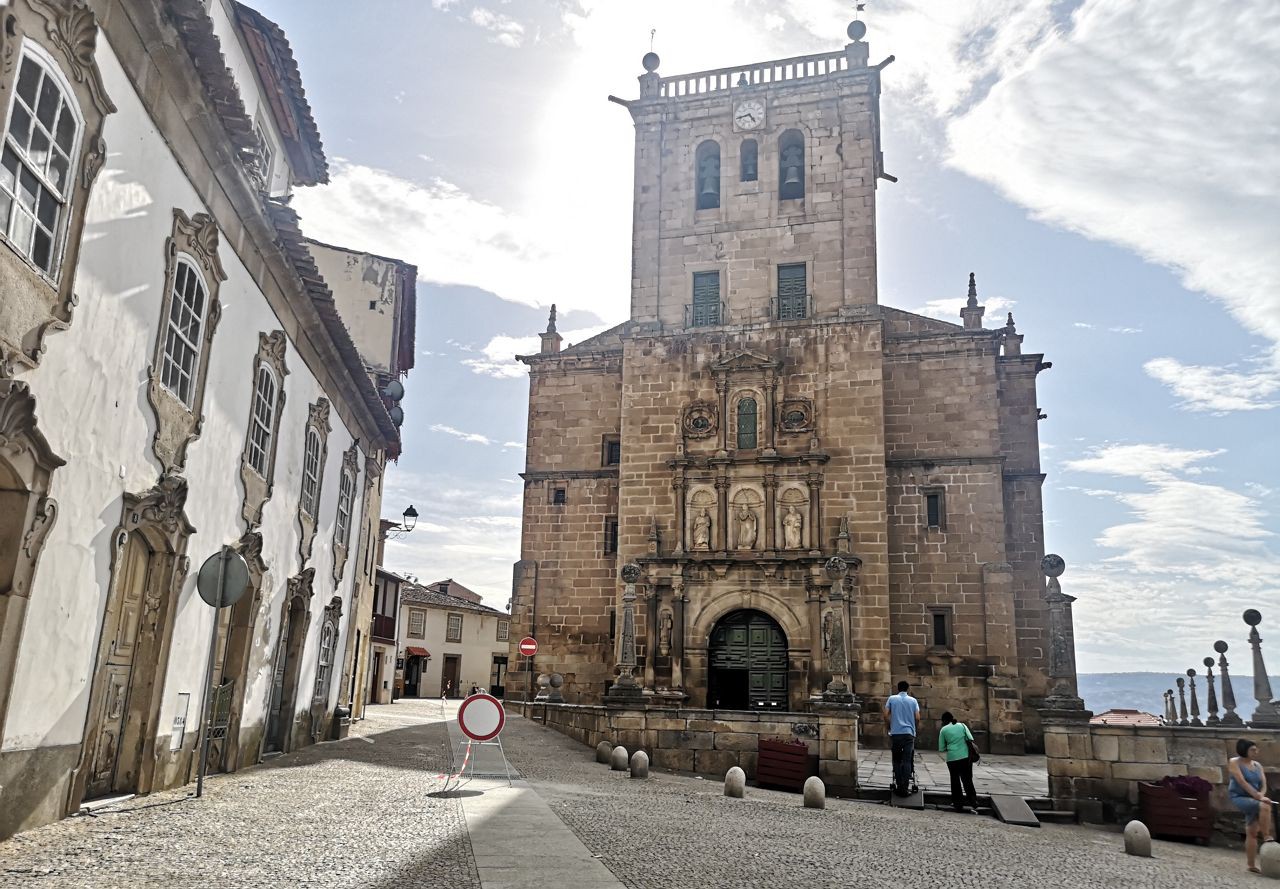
[[1108, 168]]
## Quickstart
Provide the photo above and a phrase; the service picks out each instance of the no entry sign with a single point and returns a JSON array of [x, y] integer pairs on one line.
[[481, 717], [528, 646]]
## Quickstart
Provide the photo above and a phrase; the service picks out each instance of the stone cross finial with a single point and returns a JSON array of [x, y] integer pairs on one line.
[[1182, 702], [1195, 704], [1229, 716], [973, 291], [1267, 713], [551, 320], [1213, 699]]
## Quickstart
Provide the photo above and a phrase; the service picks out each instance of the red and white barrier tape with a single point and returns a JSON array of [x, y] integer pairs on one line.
[[465, 760]]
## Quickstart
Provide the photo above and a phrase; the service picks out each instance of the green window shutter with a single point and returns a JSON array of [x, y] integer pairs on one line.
[[793, 292], [706, 298]]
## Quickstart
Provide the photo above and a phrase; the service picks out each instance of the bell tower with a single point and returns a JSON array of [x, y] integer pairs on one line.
[[755, 191]]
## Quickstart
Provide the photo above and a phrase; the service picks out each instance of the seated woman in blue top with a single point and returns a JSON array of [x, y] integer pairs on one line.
[[1247, 789], [953, 740]]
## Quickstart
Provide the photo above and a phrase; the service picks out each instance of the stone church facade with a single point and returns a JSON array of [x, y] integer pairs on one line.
[[761, 412]]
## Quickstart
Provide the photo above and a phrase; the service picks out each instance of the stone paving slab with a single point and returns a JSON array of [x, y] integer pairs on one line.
[[1023, 776]]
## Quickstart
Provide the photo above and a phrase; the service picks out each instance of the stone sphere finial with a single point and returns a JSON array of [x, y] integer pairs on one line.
[[630, 572], [1191, 673], [650, 62], [836, 567], [1220, 647], [857, 30], [1053, 565], [1253, 617], [1208, 662]]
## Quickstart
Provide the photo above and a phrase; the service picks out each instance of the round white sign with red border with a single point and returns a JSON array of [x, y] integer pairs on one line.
[[481, 717], [528, 646]]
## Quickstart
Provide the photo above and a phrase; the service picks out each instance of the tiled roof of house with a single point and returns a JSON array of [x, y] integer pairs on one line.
[[1121, 716], [423, 596]]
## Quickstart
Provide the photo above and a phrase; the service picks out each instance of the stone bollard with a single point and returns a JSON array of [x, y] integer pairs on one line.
[[1269, 860], [815, 793], [620, 759], [735, 782], [639, 764], [603, 751], [1137, 839]]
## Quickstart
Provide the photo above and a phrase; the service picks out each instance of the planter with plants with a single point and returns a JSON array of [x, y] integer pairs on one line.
[[1177, 806]]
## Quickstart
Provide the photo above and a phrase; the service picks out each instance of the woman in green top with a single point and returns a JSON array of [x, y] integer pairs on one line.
[[953, 740]]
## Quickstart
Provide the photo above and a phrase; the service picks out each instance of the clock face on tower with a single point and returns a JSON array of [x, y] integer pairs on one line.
[[749, 114]]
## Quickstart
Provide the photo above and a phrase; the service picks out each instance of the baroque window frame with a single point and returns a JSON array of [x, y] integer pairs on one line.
[[194, 241], [258, 487], [318, 424], [64, 33], [26, 456], [348, 479]]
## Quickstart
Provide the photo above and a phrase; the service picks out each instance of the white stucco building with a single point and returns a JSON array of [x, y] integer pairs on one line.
[[449, 641], [175, 376]]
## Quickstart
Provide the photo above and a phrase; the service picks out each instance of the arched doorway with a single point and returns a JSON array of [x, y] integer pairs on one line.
[[282, 712], [747, 660]]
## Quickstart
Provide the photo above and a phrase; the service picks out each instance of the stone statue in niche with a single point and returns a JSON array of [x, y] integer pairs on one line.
[[702, 530], [792, 529], [748, 528], [826, 632], [665, 624]]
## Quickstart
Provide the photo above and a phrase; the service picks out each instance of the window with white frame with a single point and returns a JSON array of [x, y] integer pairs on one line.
[[311, 473], [262, 421], [181, 358], [504, 630], [417, 623], [36, 166], [453, 631], [265, 156], [325, 665], [346, 491]]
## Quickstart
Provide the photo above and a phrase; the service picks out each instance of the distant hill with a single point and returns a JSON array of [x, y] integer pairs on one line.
[[1145, 691]]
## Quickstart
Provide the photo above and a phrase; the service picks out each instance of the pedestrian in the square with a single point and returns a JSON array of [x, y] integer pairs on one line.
[[902, 714], [1247, 790], [955, 741]]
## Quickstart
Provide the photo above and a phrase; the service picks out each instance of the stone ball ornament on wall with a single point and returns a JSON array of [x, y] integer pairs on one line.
[[630, 572], [836, 567], [1253, 617], [1053, 565]]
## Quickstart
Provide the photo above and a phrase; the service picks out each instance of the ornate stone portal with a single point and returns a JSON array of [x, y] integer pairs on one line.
[[27, 514], [148, 568]]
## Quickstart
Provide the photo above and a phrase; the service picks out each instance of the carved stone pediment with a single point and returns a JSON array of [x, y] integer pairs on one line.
[[258, 486], [193, 245], [745, 361], [163, 509], [302, 586], [39, 300]]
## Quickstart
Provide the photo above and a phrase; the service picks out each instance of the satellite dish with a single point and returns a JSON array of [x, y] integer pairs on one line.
[[393, 391]]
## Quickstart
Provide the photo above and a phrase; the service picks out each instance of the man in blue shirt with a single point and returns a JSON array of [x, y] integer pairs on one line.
[[902, 713]]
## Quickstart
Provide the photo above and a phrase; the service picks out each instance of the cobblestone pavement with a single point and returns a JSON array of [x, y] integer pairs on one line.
[[348, 813], [1019, 775], [357, 813]]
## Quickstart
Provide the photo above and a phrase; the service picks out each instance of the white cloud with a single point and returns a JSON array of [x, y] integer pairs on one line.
[[1083, 325], [1186, 561], [500, 352], [504, 29], [1216, 389], [1096, 129], [472, 437], [949, 309]]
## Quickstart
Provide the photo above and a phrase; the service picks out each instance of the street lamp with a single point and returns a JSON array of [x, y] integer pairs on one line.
[[410, 519]]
